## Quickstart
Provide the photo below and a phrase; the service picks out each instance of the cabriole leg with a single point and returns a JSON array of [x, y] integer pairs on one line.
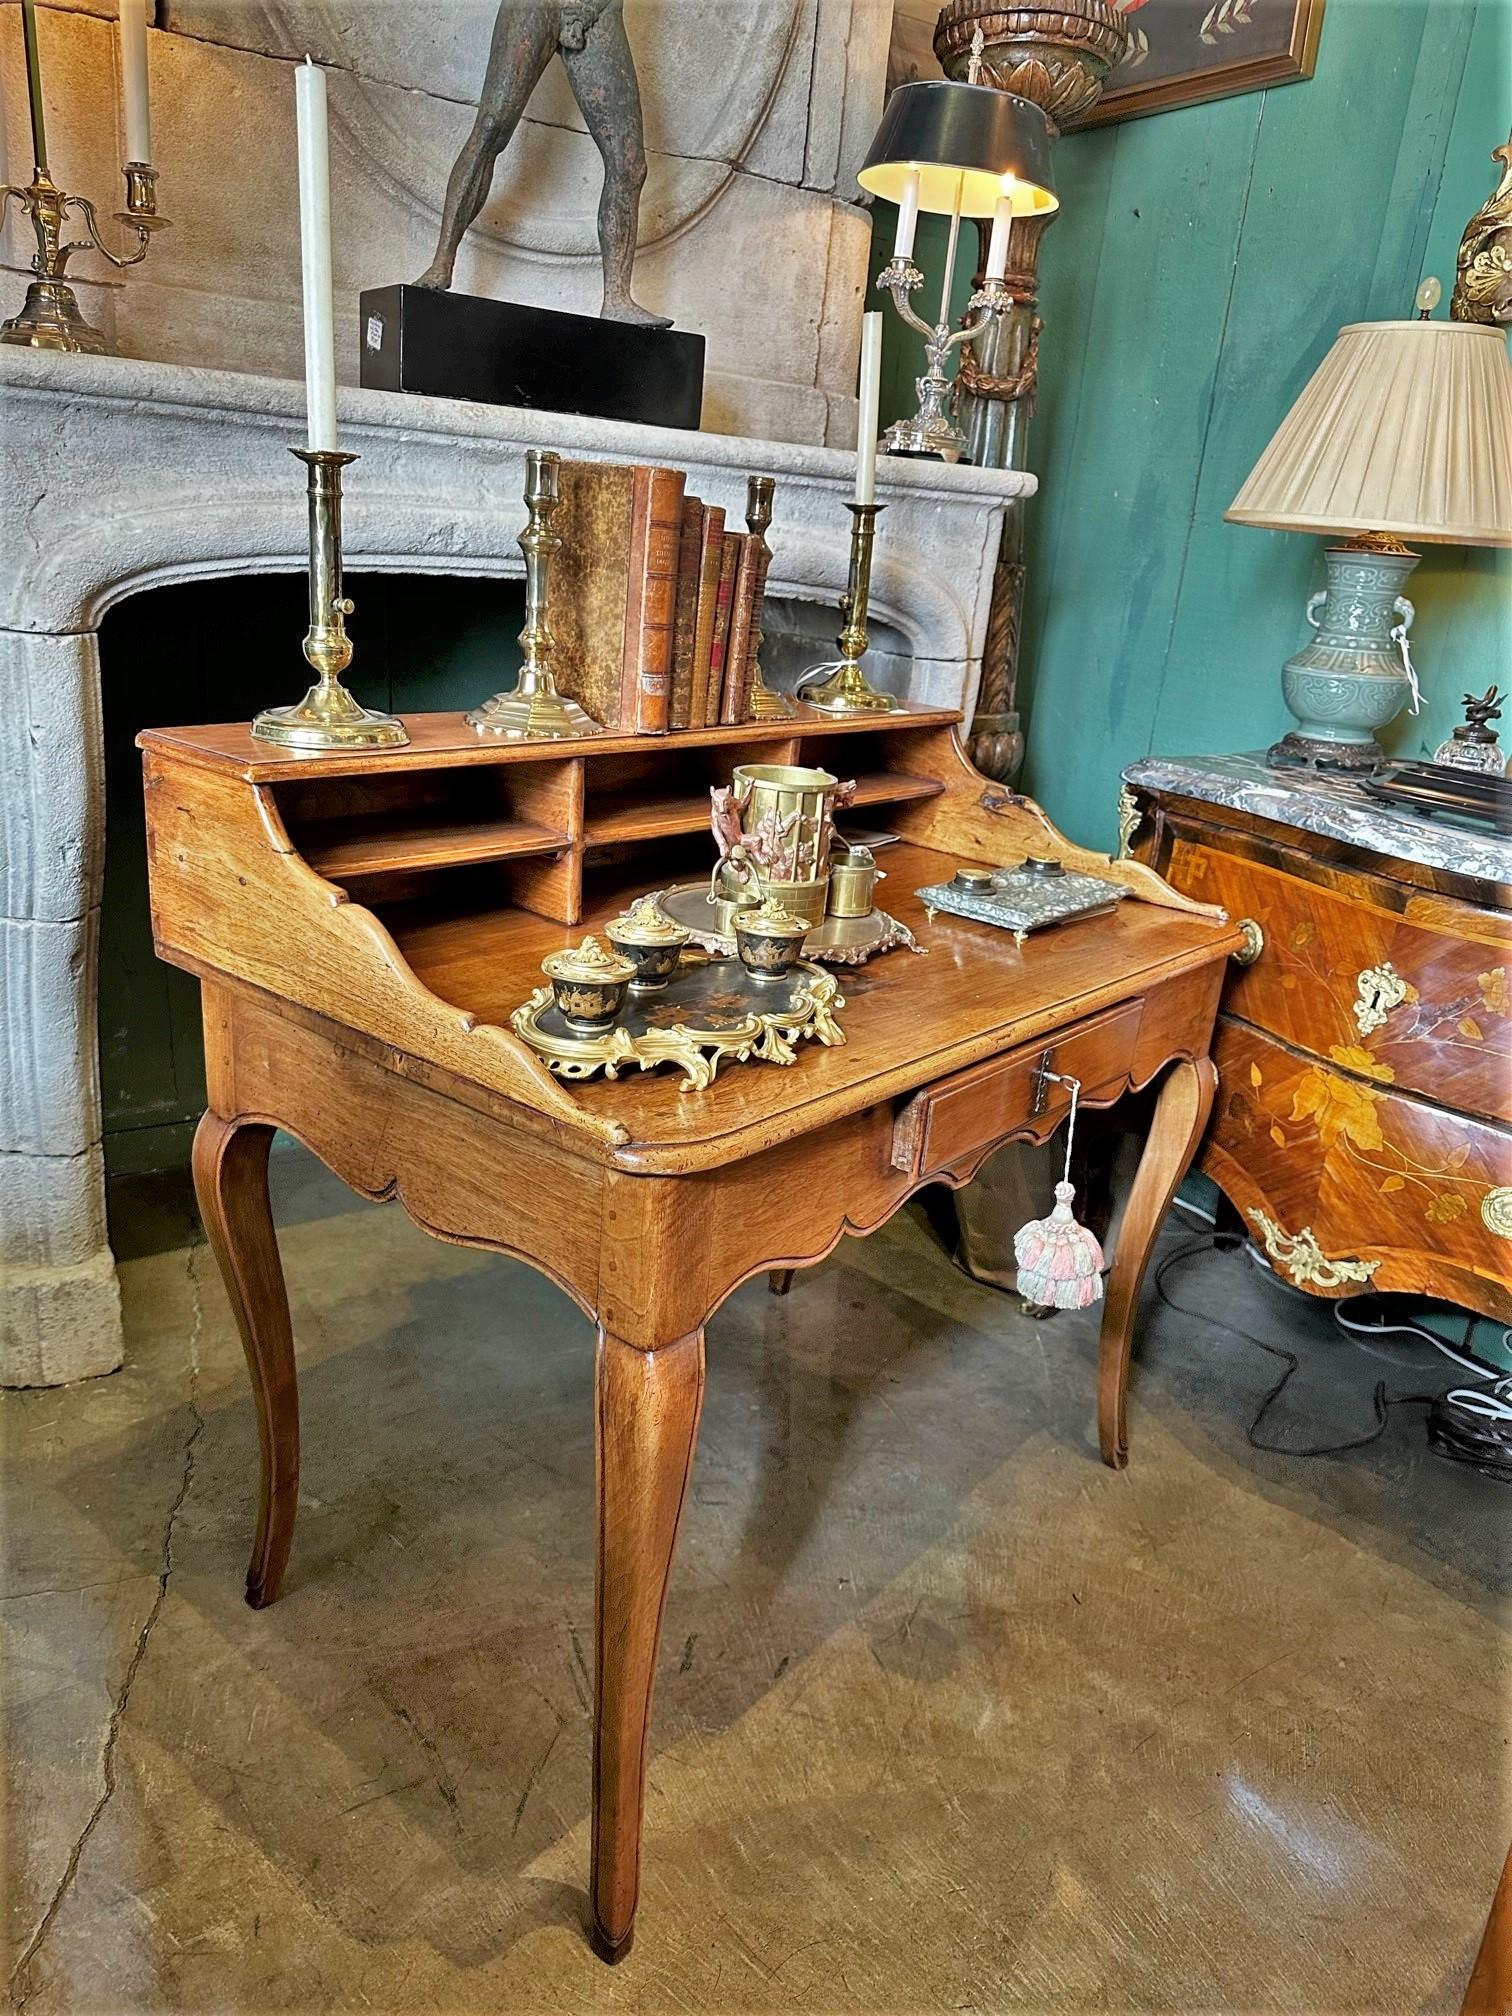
[[231, 1184], [1181, 1115], [646, 1425]]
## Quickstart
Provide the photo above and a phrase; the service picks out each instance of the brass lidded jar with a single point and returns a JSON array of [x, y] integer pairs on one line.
[[652, 942], [589, 984], [769, 940]]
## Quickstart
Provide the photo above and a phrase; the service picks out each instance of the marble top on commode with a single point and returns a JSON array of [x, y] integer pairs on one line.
[[1333, 805]]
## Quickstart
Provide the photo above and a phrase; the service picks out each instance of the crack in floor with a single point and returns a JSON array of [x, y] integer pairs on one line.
[[22, 1987]]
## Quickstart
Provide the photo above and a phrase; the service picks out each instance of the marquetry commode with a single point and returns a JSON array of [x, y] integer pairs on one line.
[[362, 927], [1364, 1126]]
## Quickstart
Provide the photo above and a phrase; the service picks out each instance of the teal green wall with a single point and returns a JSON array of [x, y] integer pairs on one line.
[[1200, 267]]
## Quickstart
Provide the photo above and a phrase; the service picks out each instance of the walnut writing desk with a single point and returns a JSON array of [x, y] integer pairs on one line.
[[362, 927]]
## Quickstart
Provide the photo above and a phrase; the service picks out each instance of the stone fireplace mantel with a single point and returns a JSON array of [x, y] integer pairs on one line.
[[120, 476]]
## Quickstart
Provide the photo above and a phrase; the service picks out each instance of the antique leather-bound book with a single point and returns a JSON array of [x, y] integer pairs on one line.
[[710, 553], [744, 628], [685, 631], [762, 565], [613, 590], [729, 563]]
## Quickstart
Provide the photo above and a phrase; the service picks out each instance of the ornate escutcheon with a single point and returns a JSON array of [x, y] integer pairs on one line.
[[1378, 990], [1254, 943], [1496, 1211], [1304, 1259]]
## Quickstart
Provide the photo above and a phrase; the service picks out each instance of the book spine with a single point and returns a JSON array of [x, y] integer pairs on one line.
[[651, 600], [728, 564], [742, 621], [710, 553], [760, 562], [687, 613]]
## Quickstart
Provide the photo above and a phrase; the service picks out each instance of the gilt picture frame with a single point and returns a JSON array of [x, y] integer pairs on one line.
[[1187, 52]]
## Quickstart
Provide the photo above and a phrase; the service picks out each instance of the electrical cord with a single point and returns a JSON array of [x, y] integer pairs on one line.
[[1194, 1211], [1382, 1404], [1464, 1357]]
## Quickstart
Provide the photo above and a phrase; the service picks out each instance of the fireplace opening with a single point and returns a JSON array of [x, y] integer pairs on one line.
[[218, 651]]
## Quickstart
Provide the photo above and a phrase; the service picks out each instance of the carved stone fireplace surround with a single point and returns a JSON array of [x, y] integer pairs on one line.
[[119, 476]]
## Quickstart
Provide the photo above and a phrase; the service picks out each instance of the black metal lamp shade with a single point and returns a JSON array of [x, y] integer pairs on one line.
[[990, 142]]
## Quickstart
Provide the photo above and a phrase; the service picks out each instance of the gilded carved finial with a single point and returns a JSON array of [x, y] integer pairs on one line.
[[1483, 267]]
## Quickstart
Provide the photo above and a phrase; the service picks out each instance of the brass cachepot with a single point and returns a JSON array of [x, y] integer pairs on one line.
[[853, 881], [589, 984], [651, 941], [769, 941], [786, 814]]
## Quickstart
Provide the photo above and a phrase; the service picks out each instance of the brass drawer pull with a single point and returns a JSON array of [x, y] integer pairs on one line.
[[1254, 943]]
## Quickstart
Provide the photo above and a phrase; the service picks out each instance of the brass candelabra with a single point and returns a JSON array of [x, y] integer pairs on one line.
[[327, 717], [534, 711], [846, 688], [933, 430], [50, 317]]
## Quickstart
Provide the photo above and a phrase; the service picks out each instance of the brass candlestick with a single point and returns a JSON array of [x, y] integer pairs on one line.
[[763, 704], [847, 690], [50, 317], [327, 717], [534, 711]]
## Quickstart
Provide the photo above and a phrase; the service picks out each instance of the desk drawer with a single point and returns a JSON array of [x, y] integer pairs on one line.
[[1435, 1022], [978, 1107]]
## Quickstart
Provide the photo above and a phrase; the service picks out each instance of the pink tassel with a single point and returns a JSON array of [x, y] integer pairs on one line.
[[1059, 1261]]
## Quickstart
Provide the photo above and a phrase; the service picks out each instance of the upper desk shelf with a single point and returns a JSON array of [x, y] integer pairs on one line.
[[452, 799]]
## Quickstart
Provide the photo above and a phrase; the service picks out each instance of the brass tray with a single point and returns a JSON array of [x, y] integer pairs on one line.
[[838, 941], [710, 1011]]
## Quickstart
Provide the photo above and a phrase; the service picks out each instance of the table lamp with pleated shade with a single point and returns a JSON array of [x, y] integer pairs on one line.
[[1403, 433]]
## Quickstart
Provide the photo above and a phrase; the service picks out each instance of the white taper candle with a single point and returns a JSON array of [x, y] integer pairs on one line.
[[997, 245], [871, 399], [133, 51], [908, 216], [315, 253]]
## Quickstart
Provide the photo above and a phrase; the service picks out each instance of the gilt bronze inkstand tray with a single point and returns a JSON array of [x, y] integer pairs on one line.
[[593, 1017]]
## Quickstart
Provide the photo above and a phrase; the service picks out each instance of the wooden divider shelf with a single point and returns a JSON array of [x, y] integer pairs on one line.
[[393, 822], [420, 844]]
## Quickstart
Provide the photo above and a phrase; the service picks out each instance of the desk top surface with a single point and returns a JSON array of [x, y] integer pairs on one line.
[[908, 1018]]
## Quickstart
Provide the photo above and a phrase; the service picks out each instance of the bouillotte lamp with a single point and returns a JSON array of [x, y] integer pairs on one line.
[[958, 150], [1402, 433]]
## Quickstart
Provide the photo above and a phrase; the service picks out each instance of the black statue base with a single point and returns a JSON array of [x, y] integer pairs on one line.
[[458, 346]]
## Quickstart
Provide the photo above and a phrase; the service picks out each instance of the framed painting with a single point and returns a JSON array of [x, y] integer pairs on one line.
[[1183, 52]]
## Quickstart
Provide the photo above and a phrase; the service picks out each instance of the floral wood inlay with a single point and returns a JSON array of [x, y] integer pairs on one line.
[[1350, 1121]]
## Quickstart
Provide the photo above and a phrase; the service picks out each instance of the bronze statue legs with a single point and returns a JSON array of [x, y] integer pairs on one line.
[[601, 70]]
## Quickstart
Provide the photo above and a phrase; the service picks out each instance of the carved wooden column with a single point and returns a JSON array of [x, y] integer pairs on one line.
[[1057, 56]]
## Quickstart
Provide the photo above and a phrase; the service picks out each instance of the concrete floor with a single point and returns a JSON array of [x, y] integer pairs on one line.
[[950, 1717]]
